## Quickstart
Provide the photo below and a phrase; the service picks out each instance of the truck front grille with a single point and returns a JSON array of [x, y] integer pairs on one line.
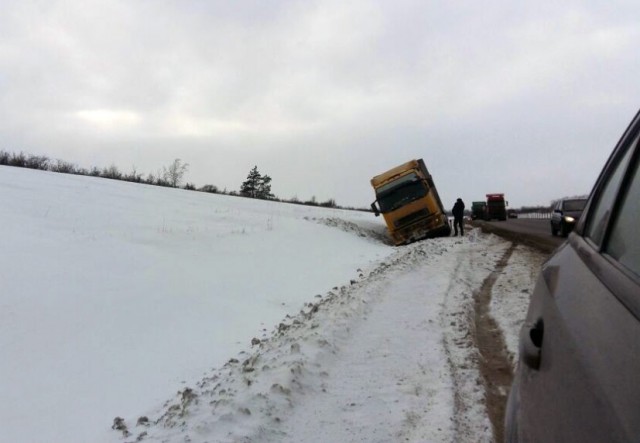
[[411, 218]]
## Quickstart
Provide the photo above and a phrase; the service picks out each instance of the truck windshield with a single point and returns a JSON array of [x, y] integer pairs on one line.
[[400, 192]]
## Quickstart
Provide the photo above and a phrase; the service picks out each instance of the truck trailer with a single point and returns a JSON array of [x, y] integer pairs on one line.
[[409, 202], [496, 207]]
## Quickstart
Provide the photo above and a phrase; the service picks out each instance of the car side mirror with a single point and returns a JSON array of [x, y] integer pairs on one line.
[[375, 210]]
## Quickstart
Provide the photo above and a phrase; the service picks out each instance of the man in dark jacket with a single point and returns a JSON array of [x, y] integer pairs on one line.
[[458, 214]]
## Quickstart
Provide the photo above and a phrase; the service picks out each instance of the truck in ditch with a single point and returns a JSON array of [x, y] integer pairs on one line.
[[496, 207], [408, 200]]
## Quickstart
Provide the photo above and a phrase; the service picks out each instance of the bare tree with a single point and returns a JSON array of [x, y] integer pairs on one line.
[[63, 166], [175, 172], [38, 162], [134, 176], [111, 172]]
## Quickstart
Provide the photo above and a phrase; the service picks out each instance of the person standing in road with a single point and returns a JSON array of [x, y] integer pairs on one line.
[[458, 215]]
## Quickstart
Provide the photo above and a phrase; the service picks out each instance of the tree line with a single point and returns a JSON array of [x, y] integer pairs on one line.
[[170, 176], [256, 185]]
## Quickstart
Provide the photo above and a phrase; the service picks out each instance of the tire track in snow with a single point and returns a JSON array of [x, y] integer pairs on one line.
[[458, 404], [495, 364], [457, 320]]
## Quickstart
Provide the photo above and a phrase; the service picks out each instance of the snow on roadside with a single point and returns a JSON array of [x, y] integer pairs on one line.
[[388, 358], [511, 293], [477, 260], [115, 294]]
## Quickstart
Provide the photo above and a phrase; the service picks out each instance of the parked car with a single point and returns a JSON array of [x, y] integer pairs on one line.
[[566, 214], [579, 352]]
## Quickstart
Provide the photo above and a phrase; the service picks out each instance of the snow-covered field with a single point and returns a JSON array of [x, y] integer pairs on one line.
[[226, 319]]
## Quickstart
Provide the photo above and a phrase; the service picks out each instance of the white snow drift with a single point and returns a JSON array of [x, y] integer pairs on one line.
[[271, 322]]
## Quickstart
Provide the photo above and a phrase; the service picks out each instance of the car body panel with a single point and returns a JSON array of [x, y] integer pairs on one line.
[[587, 362], [579, 355]]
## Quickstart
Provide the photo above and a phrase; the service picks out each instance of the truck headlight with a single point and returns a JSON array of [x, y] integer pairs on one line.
[[569, 219]]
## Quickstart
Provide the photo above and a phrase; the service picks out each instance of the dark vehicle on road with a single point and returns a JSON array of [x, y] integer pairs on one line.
[[496, 207], [511, 213], [478, 210], [566, 214], [579, 354]]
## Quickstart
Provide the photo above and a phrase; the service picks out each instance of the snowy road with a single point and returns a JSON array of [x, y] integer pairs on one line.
[[382, 387], [392, 357]]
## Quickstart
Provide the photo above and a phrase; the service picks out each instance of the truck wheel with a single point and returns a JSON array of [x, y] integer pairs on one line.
[[554, 230], [564, 230]]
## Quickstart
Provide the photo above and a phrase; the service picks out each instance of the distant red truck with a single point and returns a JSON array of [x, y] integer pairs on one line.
[[496, 207]]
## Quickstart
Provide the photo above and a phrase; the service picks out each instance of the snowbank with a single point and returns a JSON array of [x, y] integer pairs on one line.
[[270, 322]]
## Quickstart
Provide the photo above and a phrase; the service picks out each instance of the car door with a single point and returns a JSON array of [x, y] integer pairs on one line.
[[580, 347]]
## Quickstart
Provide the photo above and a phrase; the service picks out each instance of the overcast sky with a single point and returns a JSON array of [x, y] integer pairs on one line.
[[495, 96]]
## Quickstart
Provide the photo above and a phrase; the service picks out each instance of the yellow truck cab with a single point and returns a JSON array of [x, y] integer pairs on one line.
[[409, 202]]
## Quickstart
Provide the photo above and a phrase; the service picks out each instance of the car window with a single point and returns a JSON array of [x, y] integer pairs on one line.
[[574, 205], [601, 212], [624, 243]]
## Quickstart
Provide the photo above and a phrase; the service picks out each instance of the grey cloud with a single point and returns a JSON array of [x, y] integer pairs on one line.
[[495, 96]]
